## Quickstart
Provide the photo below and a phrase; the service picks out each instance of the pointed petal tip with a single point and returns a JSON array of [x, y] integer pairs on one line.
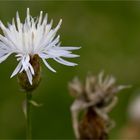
[[51, 22], [77, 48], [77, 55], [17, 14], [48, 66], [28, 9], [30, 82], [61, 20], [11, 76], [59, 24], [74, 64]]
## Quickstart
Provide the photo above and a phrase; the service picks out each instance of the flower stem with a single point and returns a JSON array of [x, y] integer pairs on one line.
[[28, 116]]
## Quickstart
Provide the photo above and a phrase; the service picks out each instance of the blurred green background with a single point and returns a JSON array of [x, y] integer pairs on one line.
[[109, 33]]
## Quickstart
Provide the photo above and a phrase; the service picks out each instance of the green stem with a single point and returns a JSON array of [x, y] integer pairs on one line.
[[28, 117]]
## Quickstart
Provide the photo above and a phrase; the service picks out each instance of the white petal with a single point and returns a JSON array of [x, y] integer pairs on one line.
[[40, 19], [55, 52], [7, 42], [58, 26], [43, 55], [71, 55], [27, 20], [4, 29], [4, 57], [64, 62], [31, 68], [48, 66], [70, 48], [53, 43], [25, 62], [29, 75], [17, 69], [44, 22], [19, 25], [49, 37]]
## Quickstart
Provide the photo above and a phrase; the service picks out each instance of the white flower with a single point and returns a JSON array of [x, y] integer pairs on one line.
[[34, 36]]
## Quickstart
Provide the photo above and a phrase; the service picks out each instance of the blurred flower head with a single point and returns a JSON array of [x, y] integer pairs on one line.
[[96, 97], [102, 87], [34, 36]]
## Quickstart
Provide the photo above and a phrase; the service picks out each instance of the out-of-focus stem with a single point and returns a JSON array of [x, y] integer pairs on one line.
[[28, 116]]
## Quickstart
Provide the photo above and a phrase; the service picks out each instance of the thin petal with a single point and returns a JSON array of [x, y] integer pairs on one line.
[[44, 22], [17, 69], [58, 26], [70, 48], [25, 62], [28, 23], [48, 66], [31, 68], [64, 62], [40, 19], [71, 55], [19, 25], [29, 75], [4, 57]]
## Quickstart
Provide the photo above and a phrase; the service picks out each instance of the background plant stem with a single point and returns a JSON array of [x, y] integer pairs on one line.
[[28, 117]]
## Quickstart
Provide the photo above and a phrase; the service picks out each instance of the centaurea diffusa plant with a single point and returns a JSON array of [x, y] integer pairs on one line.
[[30, 41]]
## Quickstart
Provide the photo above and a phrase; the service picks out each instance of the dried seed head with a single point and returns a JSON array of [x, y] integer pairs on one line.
[[103, 87], [23, 79], [96, 98]]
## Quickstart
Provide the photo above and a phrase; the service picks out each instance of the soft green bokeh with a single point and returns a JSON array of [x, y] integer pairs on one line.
[[109, 33]]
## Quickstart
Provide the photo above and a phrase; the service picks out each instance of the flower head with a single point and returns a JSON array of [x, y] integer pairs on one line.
[[104, 87], [34, 36], [95, 98]]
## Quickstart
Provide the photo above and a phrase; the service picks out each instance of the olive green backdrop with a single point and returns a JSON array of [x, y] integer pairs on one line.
[[109, 33]]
